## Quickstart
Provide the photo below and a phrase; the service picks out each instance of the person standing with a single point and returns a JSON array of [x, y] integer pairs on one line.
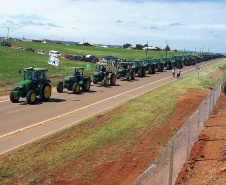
[[173, 70], [178, 73]]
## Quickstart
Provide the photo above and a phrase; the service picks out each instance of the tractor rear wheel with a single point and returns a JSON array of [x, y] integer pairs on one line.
[[60, 87], [86, 85], [31, 97], [133, 75], [12, 98], [149, 70], [113, 79], [76, 88], [144, 72], [46, 92], [139, 72], [128, 77], [106, 81]]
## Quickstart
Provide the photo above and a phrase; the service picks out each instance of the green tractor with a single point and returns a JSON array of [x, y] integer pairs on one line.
[[75, 81], [35, 84], [139, 68], [104, 75], [158, 63], [125, 70], [150, 66], [167, 64]]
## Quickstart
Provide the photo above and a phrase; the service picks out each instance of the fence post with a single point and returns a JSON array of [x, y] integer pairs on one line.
[[171, 163], [188, 139]]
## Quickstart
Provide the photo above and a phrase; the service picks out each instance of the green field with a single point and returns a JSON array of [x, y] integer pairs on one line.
[[126, 124]]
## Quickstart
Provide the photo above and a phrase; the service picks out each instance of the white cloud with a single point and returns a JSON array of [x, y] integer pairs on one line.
[[117, 22]]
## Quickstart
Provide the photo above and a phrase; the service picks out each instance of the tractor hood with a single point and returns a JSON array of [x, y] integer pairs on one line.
[[69, 77], [97, 73], [22, 83]]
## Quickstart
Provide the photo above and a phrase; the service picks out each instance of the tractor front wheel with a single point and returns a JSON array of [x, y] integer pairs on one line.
[[106, 81], [86, 85], [46, 92], [133, 75], [60, 87], [76, 88], [12, 98], [31, 97]]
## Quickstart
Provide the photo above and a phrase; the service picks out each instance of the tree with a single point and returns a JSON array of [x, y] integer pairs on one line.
[[167, 48], [139, 46], [126, 45], [145, 45]]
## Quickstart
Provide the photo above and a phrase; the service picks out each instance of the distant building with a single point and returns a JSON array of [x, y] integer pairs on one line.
[[84, 44], [150, 48], [131, 47], [47, 41], [96, 45]]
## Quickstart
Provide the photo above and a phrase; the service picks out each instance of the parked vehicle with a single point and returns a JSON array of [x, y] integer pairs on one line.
[[35, 83], [69, 57], [20, 48], [104, 75], [90, 58], [75, 81], [30, 49], [41, 52], [6, 44], [78, 58], [54, 53]]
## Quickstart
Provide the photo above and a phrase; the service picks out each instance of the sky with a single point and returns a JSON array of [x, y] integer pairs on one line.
[[195, 25]]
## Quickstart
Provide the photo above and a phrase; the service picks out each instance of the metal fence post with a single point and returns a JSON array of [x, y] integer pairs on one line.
[[171, 163]]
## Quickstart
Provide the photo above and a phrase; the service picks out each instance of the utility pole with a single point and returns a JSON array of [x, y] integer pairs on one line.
[[208, 49], [166, 48], [147, 51], [7, 35], [83, 40]]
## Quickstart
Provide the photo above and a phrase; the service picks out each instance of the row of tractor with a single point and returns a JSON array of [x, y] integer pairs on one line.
[[36, 83]]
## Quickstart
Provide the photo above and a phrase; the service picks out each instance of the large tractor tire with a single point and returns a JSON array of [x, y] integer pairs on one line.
[[133, 75], [128, 77], [86, 85], [149, 70], [31, 97], [60, 87], [46, 92], [106, 81], [144, 72], [76, 88], [113, 79], [12, 98], [139, 72]]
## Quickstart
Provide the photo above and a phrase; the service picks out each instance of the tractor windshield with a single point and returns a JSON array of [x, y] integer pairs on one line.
[[28, 75]]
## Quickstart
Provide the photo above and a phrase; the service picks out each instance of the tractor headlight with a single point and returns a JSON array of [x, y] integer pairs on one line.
[[20, 86]]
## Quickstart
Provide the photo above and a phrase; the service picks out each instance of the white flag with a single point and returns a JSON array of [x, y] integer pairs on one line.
[[53, 61]]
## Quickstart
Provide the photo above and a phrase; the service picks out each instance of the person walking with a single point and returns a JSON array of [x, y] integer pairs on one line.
[[173, 70], [178, 73]]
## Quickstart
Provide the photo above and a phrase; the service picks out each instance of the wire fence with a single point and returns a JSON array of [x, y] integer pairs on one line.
[[167, 165]]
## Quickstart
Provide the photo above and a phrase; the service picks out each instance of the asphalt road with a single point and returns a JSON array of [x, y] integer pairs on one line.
[[22, 123]]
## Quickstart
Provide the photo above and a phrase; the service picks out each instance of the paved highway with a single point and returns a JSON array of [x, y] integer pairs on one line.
[[22, 123]]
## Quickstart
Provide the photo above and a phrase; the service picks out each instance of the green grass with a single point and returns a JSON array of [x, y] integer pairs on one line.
[[134, 117]]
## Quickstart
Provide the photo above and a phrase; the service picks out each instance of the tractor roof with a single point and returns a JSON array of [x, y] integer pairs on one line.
[[102, 64], [36, 69], [125, 62], [76, 67]]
